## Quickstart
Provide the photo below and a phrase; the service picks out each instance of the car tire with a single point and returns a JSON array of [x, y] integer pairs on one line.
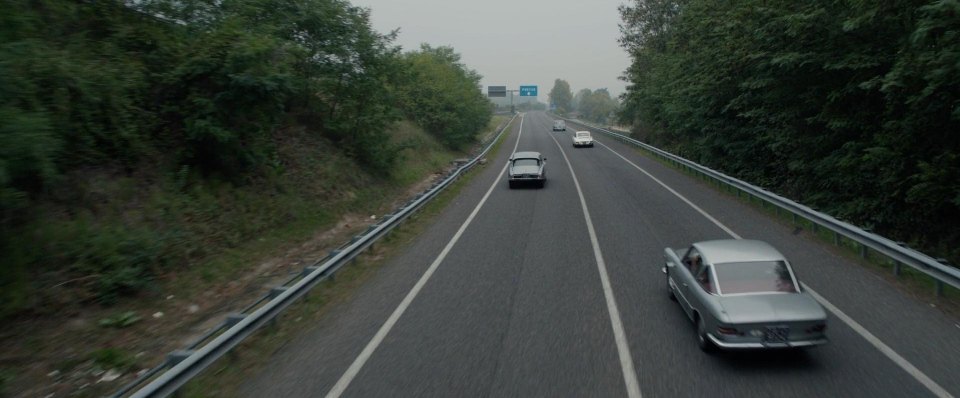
[[705, 344], [543, 183], [512, 184]]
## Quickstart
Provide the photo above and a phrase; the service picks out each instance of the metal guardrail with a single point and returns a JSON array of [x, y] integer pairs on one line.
[[896, 251], [183, 365]]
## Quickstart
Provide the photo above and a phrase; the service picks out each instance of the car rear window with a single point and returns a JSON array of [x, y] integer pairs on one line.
[[754, 277], [583, 135], [526, 162]]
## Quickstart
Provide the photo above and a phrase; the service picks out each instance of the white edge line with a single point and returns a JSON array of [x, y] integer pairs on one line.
[[931, 385], [361, 359], [619, 335], [904, 364]]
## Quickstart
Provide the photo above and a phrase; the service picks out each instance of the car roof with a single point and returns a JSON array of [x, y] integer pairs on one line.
[[737, 250], [525, 155]]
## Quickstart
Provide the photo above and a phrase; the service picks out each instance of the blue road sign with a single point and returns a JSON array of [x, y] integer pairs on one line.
[[528, 91]]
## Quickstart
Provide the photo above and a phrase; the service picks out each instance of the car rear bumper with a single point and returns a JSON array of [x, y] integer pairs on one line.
[[761, 346], [522, 179]]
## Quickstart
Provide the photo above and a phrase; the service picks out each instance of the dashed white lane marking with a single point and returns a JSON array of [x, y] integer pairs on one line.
[[361, 359], [912, 370], [619, 335]]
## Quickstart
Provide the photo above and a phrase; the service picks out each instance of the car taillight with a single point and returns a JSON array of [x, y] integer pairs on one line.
[[817, 328], [726, 330]]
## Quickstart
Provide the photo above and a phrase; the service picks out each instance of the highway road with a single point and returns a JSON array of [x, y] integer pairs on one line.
[[557, 292]]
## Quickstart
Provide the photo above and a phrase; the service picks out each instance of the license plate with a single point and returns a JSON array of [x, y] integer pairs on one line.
[[776, 335]]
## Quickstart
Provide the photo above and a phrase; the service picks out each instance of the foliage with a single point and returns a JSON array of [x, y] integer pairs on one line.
[[141, 136], [442, 95], [851, 107], [596, 106], [113, 358], [120, 320], [561, 96]]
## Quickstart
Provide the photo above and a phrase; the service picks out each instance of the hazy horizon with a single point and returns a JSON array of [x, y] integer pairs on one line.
[[516, 43]]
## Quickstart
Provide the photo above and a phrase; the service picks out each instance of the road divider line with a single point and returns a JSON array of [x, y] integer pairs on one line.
[[902, 362], [368, 350], [931, 385], [616, 323]]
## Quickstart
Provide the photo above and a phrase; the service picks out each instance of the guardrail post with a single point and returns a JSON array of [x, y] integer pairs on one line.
[[308, 270], [177, 356], [794, 216], [863, 250], [233, 318], [836, 238], [276, 291], [896, 268], [333, 274], [938, 287]]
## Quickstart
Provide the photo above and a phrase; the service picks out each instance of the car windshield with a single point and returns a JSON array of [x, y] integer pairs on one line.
[[525, 162], [754, 277], [583, 135]]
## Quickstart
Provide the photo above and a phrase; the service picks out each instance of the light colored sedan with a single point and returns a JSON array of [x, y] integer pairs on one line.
[[582, 138], [527, 168], [743, 294]]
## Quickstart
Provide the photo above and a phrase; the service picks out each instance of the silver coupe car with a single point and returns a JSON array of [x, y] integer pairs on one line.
[[743, 294], [527, 168]]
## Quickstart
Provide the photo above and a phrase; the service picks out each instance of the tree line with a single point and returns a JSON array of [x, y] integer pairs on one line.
[[203, 88], [592, 105], [851, 107]]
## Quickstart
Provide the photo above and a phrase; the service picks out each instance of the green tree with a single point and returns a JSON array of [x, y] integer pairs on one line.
[[596, 106], [849, 107], [561, 96], [443, 96]]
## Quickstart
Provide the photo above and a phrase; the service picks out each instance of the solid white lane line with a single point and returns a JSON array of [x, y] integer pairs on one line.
[[912, 370], [675, 193], [361, 359], [885, 349], [619, 335]]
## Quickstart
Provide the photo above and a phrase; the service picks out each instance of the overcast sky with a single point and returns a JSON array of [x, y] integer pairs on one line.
[[514, 42]]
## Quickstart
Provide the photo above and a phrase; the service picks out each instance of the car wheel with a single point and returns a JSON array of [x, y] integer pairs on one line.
[[702, 340], [512, 184], [543, 183]]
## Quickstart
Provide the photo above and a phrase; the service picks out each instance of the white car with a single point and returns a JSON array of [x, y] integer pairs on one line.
[[559, 125], [582, 138]]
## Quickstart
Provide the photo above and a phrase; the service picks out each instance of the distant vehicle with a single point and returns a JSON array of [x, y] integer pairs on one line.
[[743, 294], [559, 125], [582, 138], [527, 168]]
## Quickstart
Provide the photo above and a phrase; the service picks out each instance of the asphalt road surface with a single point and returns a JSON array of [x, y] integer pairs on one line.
[[557, 292]]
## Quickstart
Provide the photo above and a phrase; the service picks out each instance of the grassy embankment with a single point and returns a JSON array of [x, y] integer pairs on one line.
[[220, 245], [226, 377]]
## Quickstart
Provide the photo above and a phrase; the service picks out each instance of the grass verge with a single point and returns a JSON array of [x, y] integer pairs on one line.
[[225, 377]]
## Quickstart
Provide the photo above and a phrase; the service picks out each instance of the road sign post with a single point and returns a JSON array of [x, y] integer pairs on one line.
[[501, 91]]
